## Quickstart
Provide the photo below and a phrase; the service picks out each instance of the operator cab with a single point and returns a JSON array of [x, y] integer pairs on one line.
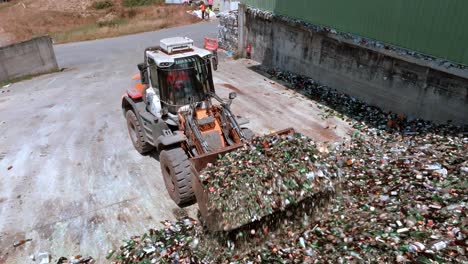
[[176, 73]]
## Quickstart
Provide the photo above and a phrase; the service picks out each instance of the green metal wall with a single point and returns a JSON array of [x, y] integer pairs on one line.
[[435, 27]]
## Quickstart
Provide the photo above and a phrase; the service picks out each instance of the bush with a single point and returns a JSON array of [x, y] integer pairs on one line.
[[125, 13], [103, 4], [111, 23], [131, 3]]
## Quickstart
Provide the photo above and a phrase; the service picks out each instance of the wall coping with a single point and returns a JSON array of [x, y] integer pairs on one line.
[[25, 41]]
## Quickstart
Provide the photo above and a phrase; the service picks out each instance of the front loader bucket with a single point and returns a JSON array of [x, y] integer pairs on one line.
[[213, 219], [199, 163]]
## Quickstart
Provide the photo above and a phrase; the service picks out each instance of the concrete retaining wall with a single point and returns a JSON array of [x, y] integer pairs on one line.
[[31, 57], [395, 84]]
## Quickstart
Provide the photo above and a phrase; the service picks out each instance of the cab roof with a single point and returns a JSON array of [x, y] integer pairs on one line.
[[163, 59]]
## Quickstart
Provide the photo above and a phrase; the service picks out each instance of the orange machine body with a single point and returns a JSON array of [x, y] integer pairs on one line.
[[211, 130], [136, 89]]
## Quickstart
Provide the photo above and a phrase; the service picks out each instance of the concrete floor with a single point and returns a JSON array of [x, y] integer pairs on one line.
[[76, 185]]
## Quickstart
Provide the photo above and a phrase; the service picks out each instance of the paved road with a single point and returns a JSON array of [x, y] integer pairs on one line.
[[76, 185]]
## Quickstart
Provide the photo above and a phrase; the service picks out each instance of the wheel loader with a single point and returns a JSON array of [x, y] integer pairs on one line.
[[171, 107]]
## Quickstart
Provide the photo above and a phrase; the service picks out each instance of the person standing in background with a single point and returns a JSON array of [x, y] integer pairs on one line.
[[203, 8], [210, 4], [207, 11]]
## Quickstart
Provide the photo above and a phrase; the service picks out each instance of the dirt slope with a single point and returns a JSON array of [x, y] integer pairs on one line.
[[76, 20]]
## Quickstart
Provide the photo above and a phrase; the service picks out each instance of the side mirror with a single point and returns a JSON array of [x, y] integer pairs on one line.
[[143, 73], [232, 95], [191, 99]]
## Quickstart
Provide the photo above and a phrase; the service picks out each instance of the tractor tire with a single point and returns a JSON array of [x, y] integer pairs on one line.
[[135, 132], [177, 172]]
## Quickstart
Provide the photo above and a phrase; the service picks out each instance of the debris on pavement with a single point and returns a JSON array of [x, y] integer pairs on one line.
[[172, 244], [44, 258], [76, 260], [21, 242], [358, 112]]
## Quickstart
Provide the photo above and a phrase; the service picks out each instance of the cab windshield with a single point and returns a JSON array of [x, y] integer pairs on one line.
[[187, 78]]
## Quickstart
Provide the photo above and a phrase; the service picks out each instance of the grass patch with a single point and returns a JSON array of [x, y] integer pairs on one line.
[[132, 3], [128, 13], [128, 21], [15, 80], [102, 4], [112, 23], [75, 34]]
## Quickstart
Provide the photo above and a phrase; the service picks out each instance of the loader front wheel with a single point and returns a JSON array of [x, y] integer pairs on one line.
[[135, 131], [177, 173]]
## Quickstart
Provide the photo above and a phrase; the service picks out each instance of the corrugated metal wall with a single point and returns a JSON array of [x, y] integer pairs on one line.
[[434, 27]]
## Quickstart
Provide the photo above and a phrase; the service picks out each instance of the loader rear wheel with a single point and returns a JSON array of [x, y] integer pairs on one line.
[[135, 132], [177, 172]]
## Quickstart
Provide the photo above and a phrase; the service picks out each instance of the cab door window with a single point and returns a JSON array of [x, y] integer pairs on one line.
[[153, 72]]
